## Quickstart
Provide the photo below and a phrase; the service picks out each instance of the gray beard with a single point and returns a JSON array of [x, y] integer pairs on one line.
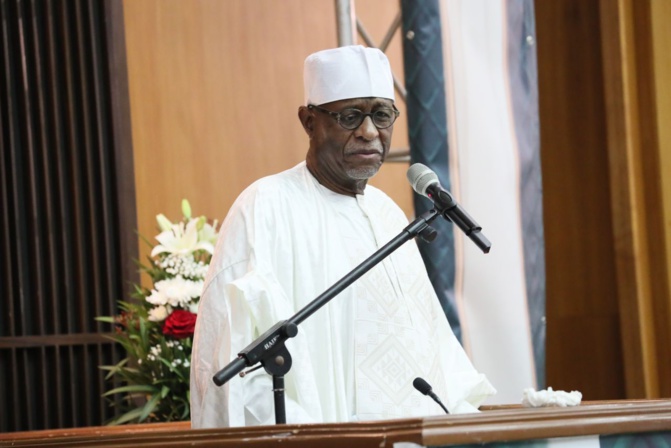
[[362, 173]]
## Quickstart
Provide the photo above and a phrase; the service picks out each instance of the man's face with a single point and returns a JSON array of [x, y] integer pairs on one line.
[[350, 155]]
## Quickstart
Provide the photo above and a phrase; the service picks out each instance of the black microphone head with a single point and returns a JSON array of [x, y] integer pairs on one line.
[[420, 177], [421, 385]]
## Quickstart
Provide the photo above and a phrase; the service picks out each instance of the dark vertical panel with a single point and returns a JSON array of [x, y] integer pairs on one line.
[[55, 392], [523, 76], [54, 193], [16, 181], [99, 55], [60, 102], [34, 97], [5, 378], [90, 266], [17, 247], [14, 392], [33, 306], [49, 194], [110, 272], [7, 363], [54, 190], [92, 22], [27, 394], [427, 132], [71, 373], [119, 113], [105, 218], [123, 146], [42, 204], [75, 191], [74, 121], [72, 187], [62, 197], [7, 287], [33, 232]]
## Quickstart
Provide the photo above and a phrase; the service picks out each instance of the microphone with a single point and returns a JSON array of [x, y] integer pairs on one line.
[[425, 182], [425, 388]]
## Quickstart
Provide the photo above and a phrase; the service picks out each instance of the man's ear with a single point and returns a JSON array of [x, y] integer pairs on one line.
[[307, 119]]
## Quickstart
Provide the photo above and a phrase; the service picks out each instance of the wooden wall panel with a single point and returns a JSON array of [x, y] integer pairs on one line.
[[660, 13], [582, 309], [626, 69], [660, 236], [605, 167], [215, 88], [636, 194], [623, 142]]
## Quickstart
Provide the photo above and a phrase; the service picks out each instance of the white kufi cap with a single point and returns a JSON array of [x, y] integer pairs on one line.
[[347, 72]]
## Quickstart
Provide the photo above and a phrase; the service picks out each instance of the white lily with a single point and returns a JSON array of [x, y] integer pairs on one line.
[[181, 239], [163, 222], [208, 233]]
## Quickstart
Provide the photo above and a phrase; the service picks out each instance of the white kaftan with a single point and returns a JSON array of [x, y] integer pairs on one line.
[[284, 242]]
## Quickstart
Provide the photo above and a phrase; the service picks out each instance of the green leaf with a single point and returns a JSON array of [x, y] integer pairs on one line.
[[114, 369], [164, 391], [143, 332], [150, 406], [132, 388], [128, 416], [114, 337], [108, 319]]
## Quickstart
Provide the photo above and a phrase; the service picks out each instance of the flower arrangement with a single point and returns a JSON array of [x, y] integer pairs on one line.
[[156, 328]]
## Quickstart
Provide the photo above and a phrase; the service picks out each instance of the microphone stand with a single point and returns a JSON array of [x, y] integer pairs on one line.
[[269, 349]]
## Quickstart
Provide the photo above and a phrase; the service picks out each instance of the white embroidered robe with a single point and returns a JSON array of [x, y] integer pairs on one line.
[[284, 242]]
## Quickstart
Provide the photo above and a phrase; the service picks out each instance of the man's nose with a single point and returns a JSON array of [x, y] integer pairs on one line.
[[367, 129]]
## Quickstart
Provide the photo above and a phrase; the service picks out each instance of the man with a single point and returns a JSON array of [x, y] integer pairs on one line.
[[289, 237]]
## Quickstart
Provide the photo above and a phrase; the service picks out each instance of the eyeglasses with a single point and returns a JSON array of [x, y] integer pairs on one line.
[[351, 119]]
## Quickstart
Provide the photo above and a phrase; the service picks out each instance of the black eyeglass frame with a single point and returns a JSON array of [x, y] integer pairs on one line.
[[337, 115]]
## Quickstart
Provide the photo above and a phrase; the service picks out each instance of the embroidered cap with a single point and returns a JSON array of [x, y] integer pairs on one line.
[[347, 72]]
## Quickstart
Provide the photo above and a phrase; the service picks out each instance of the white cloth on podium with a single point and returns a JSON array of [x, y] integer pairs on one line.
[[550, 398], [284, 242]]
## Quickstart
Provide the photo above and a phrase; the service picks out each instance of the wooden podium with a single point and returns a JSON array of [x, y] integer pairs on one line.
[[614, 423]]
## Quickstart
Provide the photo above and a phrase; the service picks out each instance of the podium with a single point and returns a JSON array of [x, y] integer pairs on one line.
[[610, 423]]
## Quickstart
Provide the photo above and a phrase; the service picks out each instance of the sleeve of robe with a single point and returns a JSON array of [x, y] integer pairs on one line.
[[241, 300]]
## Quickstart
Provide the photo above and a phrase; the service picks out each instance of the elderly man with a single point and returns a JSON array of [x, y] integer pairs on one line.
[[290, 236]]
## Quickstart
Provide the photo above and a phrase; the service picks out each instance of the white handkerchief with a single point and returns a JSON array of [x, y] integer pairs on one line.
[[548, 397]]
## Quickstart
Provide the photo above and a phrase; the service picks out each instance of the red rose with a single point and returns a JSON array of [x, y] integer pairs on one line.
[[180, 324]]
